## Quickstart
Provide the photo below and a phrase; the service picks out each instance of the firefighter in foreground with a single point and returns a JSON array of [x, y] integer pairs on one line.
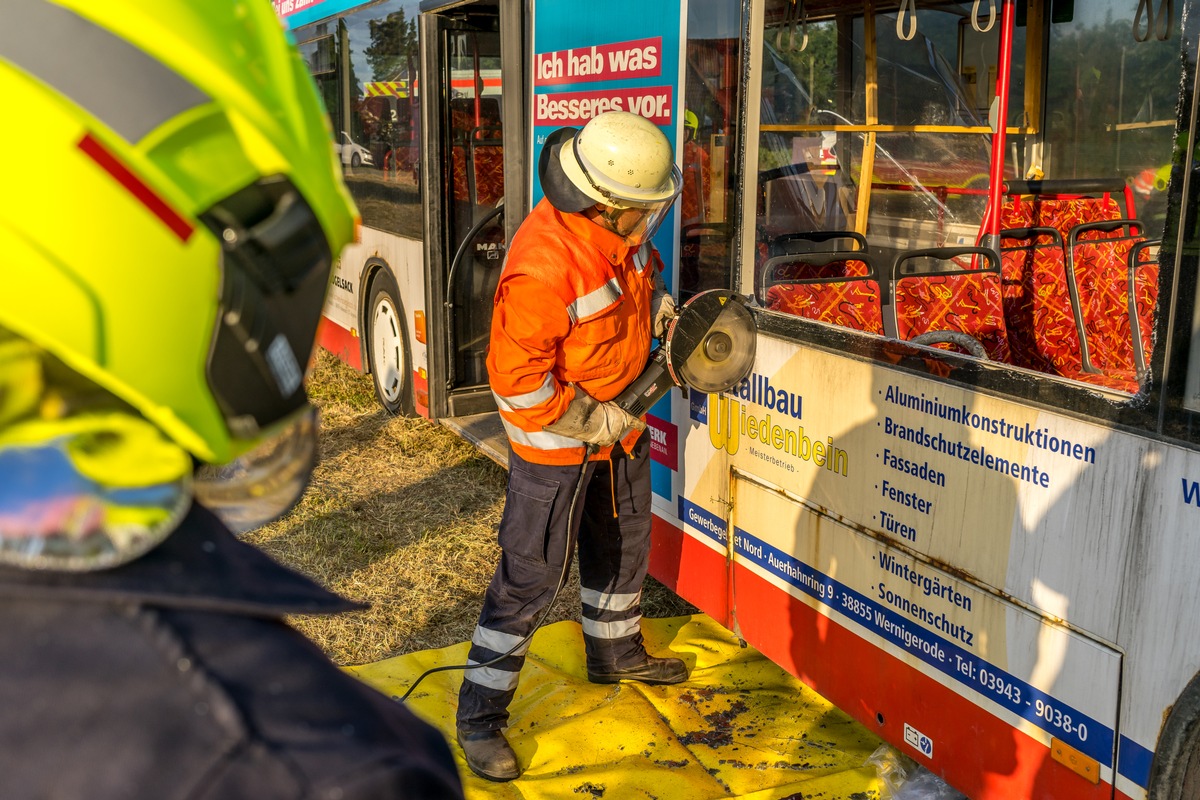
[[164, 261], [579, 299]]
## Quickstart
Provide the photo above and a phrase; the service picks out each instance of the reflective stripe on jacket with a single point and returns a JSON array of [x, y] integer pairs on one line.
[[572, 306]]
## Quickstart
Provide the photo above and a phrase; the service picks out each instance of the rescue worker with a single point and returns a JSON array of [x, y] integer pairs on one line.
[[697, 185], [164, 261], [578, 300], [697, 176]]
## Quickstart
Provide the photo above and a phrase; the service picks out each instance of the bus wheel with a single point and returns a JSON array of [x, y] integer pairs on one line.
[[387, 347], [1175, 773]]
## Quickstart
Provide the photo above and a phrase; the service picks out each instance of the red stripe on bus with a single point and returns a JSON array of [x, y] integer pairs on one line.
[[340, 342], [124, 176], [691, 569]]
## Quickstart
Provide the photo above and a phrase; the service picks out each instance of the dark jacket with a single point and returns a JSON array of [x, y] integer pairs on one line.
[[174, 676]]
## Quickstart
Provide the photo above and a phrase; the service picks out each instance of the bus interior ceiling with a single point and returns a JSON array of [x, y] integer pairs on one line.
[[878, 140]]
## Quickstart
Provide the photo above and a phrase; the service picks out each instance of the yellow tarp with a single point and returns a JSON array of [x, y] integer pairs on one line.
[[740, 727]]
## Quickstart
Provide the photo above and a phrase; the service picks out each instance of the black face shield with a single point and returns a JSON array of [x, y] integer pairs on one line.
[[274, 276]]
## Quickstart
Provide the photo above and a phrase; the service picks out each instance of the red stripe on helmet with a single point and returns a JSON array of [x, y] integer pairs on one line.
[[148, 197]]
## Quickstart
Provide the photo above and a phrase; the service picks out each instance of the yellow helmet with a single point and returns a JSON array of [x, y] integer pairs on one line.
[[171, 209], [170, 215], [618, 159]]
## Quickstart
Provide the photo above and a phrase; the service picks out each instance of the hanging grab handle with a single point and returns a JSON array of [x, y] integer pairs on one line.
[[1165, 21], [991, 17], [788, 11], [907, 7], [795, 11], [1160, 24]]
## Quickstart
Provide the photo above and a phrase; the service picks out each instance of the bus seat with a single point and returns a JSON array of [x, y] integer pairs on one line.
[[1099, 257], [1063, 204], [770, 246], [953, 298], [1060, 272], [840, 288], [478, 164]]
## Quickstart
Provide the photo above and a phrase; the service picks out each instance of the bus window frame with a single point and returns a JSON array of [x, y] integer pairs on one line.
[[1157, 411], [332, 45]]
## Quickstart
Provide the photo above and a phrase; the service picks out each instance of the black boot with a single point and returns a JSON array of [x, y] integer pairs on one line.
[[489, 755], [652, 670]]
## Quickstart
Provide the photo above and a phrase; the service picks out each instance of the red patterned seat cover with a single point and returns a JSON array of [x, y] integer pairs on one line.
[[842, 291], [851, 303], [1063, 214], [488, 158], [969, 302]]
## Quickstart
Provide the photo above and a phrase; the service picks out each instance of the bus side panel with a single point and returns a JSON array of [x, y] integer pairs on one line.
[[346, 313], [692, 568], [341, 341], [1160, 604], [1043, 512], [340, 324], [922, 656]]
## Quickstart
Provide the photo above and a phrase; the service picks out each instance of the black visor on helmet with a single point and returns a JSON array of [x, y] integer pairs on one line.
[[275, 272], [558, 188]]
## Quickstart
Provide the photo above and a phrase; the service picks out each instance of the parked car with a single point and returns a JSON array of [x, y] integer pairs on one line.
[[351, 153]]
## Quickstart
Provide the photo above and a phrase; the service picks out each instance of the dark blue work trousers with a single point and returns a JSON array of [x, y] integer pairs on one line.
[[611, 526]]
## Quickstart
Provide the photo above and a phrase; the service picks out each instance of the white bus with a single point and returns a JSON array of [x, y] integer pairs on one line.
[[390, 312], [959, 494]]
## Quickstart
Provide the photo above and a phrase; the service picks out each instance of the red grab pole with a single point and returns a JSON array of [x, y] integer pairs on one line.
[[1003, 81]]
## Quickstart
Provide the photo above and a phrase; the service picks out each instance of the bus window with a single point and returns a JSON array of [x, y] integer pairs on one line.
[[712, 105], [365, 65], [880, 136], [1110, 102]]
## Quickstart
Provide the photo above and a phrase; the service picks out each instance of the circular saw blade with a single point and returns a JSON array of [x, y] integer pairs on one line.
[[711, 343]]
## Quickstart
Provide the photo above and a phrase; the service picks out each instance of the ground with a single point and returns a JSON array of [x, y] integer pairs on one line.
[[400, 514]]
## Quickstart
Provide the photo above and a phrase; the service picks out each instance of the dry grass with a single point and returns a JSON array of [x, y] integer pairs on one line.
[[401, 514]]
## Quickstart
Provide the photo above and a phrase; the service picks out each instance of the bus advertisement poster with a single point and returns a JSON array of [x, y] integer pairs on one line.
[[295, 13], [586, 63]]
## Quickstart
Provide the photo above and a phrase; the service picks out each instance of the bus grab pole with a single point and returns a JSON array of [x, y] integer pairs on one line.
[[1003, 81]]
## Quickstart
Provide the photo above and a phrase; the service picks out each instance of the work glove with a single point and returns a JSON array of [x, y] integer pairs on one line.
[[589, 420], [662, 307]]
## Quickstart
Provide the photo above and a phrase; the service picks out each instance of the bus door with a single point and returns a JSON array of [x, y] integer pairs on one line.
[[472, 146]]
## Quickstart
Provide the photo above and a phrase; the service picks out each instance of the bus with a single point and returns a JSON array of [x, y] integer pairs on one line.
[[959, 493]]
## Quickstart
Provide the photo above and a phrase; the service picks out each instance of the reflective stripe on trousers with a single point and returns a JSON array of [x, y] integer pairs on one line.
[[613, 556]]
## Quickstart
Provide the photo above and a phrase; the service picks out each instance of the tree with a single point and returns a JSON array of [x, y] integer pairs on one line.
[[393, 49]]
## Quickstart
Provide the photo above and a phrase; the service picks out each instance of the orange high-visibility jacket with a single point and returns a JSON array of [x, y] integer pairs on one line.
[[572, 307]]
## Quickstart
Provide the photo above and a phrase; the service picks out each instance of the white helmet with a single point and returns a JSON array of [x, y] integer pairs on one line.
[[620, 160]]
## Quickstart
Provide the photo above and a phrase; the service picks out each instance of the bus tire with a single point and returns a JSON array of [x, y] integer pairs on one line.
[[388, 355], [1175, 772]]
